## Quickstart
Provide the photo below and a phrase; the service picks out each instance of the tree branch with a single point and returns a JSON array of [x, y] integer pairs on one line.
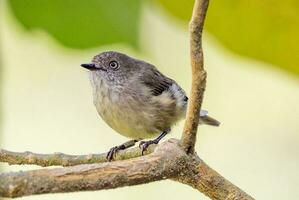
[[168, 161], [172, 159], [99, 176], [198, 75], [61, 159]]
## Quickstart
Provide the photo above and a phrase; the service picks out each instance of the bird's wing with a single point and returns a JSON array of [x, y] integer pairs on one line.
[[156, 82]]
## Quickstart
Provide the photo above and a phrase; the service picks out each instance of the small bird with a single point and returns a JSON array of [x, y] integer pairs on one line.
[[137, 100]]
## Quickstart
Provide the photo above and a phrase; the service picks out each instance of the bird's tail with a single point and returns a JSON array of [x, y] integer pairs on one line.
[[206, 119]]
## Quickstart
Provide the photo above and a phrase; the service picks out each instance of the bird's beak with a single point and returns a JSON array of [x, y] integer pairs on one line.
[[89, 66]]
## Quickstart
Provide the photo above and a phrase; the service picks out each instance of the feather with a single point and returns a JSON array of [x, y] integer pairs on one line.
[[156, 82]]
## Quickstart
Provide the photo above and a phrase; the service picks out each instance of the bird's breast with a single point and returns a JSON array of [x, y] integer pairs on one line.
[[134, 112], [126, 112]]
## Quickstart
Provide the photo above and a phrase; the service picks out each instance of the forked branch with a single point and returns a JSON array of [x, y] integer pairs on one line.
[[168, 161]]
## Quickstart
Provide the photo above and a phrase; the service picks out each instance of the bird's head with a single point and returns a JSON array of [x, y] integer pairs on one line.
[[112, 67]]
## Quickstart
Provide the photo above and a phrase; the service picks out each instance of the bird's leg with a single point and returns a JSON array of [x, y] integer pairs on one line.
[[143, 145], [123, 146]]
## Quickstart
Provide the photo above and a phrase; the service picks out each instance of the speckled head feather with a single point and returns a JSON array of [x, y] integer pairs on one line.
[[115, 67]]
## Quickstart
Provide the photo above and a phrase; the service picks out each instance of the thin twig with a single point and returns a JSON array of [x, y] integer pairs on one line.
[[198, 75], [61, 159]]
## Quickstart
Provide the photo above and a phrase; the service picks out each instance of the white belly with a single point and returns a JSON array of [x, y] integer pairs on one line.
[[136, 116], [126, 115]]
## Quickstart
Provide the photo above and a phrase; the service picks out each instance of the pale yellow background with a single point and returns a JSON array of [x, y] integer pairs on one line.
[[48, 108]]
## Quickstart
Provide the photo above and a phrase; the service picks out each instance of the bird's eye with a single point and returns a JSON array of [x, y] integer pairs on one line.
[[114, 65]]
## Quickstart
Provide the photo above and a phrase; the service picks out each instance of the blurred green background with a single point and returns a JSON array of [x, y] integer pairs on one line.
[[251, 56]]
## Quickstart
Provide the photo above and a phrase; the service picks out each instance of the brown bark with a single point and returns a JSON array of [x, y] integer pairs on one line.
[[168, 161], [61, 159], [198, 75]]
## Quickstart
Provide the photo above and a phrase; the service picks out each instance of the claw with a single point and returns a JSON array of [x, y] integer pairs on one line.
[[111, 153], [143, 145], [115, 149]]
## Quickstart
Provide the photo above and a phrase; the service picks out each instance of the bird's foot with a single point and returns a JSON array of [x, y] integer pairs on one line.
[[113, 150], [143, 145]]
